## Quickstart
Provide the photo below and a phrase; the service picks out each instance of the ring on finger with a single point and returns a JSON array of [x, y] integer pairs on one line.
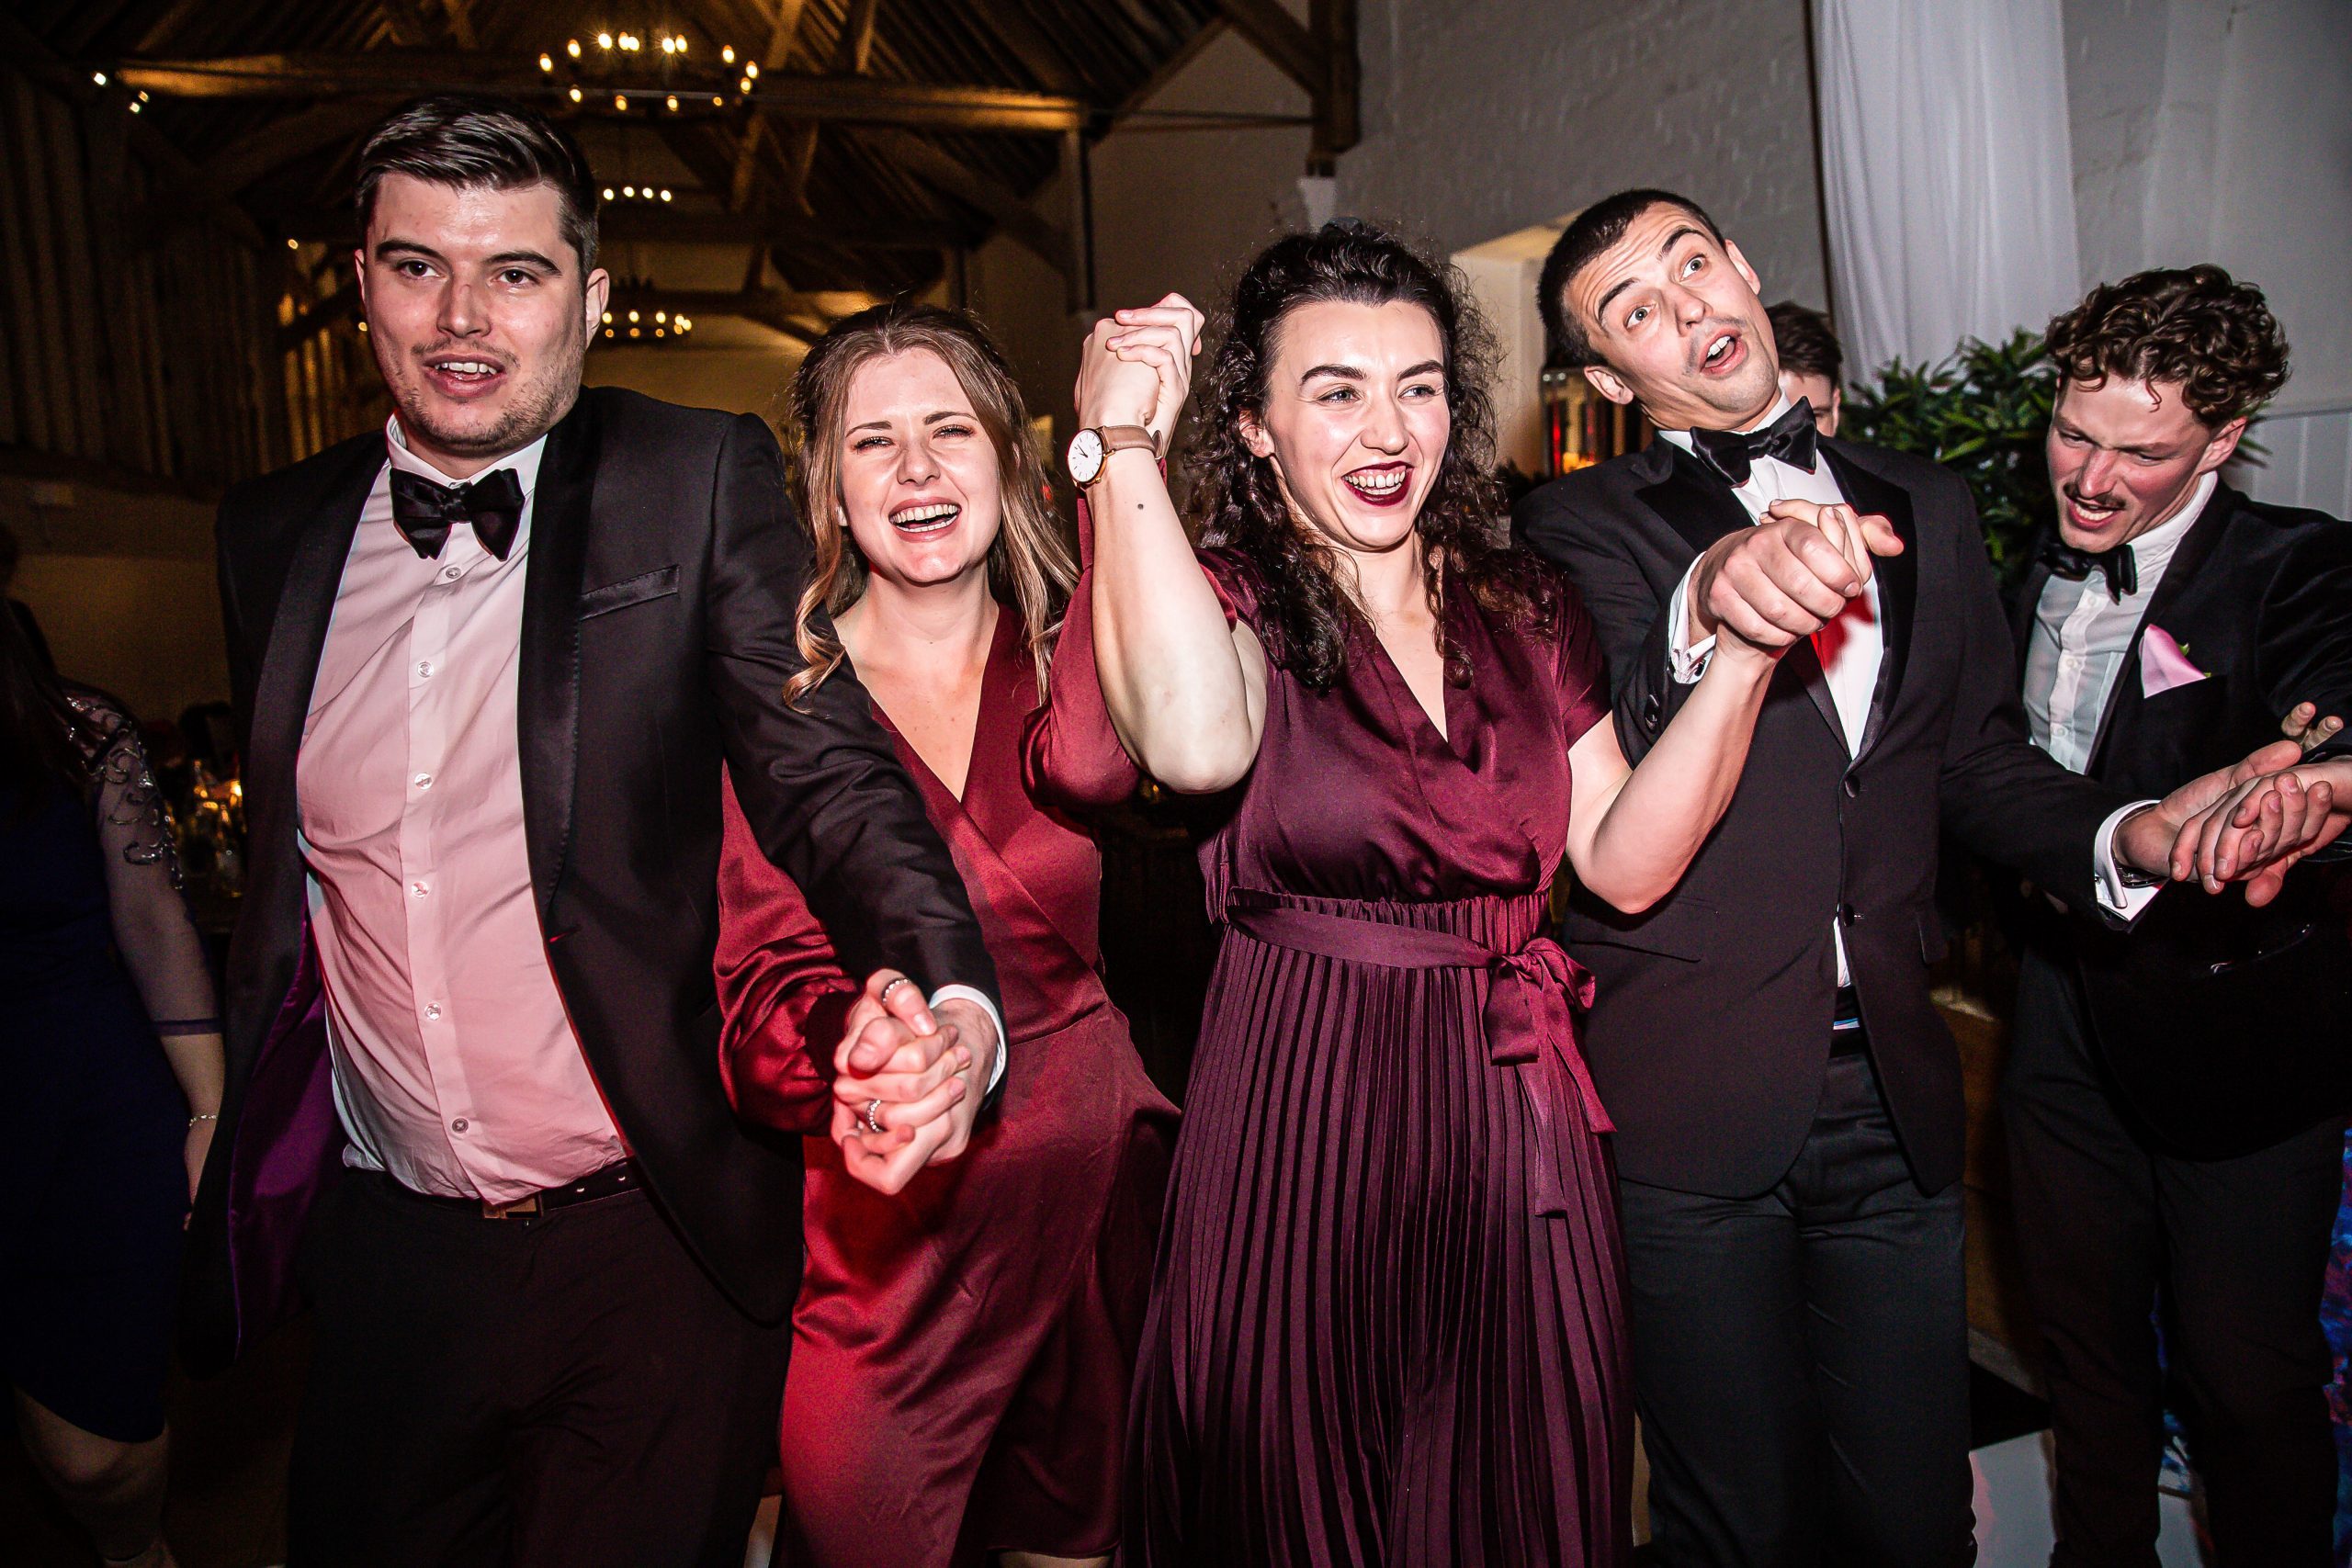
[[884, 995], [871, 1117]]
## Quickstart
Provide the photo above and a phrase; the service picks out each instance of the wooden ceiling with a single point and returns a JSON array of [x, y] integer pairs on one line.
[[847, 145]]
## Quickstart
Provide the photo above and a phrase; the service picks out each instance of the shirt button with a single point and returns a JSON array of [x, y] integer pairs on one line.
[[433, 1010], [458, 1126], [422, 781], [450, 574], [418, 888], [425, 669]]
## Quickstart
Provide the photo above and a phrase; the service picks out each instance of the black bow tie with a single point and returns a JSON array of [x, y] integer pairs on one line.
[[1732, 453], [424, 512], [2117, 565]]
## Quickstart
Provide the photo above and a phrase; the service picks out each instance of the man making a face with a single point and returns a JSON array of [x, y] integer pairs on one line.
[[2174, 1101], [1788, 1103]]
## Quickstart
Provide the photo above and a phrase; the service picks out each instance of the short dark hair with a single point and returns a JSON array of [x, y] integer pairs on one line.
[[2194, 325], [1808, 343], [471, 140], [1591, 232]]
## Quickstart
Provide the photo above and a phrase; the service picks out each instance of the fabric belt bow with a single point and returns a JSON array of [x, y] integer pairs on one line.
[[424, 511], [1529, 1023]]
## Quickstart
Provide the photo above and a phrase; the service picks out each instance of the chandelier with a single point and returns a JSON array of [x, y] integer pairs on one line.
[[625, 71]]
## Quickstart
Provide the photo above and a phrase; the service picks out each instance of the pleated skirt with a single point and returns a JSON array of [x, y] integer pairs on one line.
[[1365, 1345]]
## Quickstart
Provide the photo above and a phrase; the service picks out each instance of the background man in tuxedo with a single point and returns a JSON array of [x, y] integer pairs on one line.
[[491, 662], [2174, 1099], [1787, 1101], [1812, 361]]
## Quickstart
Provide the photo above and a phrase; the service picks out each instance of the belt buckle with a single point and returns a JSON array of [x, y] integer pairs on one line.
[[522, 1207]]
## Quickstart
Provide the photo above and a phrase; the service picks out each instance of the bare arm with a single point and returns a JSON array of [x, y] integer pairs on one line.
[[1186, 692], [1633, 831]]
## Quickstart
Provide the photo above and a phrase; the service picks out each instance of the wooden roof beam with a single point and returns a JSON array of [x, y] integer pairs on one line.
[[802, 95], [782, 31], [1320, 57]]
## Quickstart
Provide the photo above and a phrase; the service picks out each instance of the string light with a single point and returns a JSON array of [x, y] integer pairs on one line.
[[620, 102], [363, 326], [666, 189], [603, 40], [632, 316], [547, 63], [632, 332], [629, 43], [745, 86], [726, 54], [661, 315], [136, 105], [575, 94], [628, 190], [717, 102], [292, 243], [750, 70], [608, 321], [674, 103], [100, 77], [608, 193], [572, 48]]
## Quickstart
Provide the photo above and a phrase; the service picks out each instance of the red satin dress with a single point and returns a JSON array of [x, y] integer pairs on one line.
[[962, 1351], [1387, 1313]]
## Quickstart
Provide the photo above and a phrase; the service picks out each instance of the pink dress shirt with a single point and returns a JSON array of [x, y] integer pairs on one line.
[[456, 1068]]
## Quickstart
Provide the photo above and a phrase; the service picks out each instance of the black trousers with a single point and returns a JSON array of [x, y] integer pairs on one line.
[[1801, 1357], [2235, 1250], [570, 1388]]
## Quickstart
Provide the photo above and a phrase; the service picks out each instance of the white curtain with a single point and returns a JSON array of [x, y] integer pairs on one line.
[[1947, 172]]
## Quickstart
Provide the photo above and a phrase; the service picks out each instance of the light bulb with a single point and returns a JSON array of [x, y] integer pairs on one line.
[[661, 315], [620, 102], [575, 94], [608, 193], [547, 63], [632, 315], [728, 54], [603, 40], [572, 48], [100, 77], [751, 70], [673, 109], [666, 189]]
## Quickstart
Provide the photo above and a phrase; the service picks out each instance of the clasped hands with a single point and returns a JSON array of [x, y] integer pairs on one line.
[[919, 1072], [1760, 590]]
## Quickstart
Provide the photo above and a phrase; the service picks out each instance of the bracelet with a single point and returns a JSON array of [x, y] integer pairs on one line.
[[204, 1116]]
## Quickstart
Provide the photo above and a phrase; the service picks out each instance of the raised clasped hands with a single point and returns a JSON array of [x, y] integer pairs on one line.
[[2249, 823], [1793, 573], [1136, 368], [921, 1073]]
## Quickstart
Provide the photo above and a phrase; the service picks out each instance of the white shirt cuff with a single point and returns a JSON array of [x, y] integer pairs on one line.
[[1685, 664], [980, 999], [2127, 903]]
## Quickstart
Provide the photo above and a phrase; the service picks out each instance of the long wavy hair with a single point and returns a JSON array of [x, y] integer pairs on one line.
[[1029, 562], [1307, 589]]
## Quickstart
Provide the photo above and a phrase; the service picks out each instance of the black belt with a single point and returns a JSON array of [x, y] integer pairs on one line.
[[615, 1180], [1846, 1037]]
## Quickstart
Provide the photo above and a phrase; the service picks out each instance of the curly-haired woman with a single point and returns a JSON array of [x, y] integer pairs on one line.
[[1386, 1320], [963, 1343]]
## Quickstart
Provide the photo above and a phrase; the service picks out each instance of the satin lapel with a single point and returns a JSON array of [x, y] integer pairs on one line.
[[2025, 604], [2203, 537], [547, 694], [1898, 584], [297, 635]]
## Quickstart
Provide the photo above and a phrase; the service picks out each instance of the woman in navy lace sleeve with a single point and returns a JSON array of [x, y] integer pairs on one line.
[[111, 1073]]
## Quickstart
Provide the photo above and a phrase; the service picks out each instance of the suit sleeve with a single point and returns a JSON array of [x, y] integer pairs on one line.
[[1624, 607], [783, 996], [821, 790], [2306, 646], [2000, 793]]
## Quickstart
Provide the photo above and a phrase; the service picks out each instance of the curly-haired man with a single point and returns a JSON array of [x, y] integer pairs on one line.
[[2175, 1097]]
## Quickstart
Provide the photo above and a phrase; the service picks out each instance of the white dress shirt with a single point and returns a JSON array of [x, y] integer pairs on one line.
[[2082, 635], [1853, 647]]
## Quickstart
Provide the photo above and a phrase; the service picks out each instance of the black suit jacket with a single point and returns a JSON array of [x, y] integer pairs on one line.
[[1711, 1029], [657, 637], [2221, 1026]]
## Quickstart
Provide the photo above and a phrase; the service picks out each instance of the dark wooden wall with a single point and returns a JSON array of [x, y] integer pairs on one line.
[[135, 343]]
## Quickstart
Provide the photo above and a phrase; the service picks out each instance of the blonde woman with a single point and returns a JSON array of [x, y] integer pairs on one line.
[[963, 1343]]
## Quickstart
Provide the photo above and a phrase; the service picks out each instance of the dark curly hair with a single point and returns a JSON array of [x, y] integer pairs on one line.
[[1309, 612], [2194, 325]]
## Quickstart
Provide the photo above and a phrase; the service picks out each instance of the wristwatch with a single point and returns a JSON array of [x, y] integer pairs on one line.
[[1089, 449]]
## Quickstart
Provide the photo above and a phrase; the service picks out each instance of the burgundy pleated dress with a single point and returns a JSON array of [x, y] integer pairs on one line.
[[962, 1350], [1387, 1316]]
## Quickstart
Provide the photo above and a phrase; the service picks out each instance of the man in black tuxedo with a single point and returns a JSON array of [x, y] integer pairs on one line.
[[1787, 1101], [2175, 1098], [491, 662]]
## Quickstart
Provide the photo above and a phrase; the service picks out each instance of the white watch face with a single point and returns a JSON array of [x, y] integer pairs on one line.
[[1086, 455]]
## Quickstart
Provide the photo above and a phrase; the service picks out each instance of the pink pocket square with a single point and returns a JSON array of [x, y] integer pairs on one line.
[[2164, 665]]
